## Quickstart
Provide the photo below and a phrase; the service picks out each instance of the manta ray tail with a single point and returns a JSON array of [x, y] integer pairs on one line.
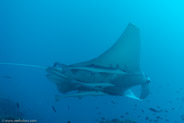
[[25, 65]]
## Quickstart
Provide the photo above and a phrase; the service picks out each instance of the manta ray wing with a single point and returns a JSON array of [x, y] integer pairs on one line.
[[125, 53]]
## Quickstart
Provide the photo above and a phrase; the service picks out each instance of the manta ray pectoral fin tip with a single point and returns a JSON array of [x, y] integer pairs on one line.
[[130, 24]]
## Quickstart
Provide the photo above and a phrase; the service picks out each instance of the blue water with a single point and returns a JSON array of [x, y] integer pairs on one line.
[[71, 31]]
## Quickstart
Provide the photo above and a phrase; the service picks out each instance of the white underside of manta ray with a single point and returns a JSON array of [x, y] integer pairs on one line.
[[114, 72]]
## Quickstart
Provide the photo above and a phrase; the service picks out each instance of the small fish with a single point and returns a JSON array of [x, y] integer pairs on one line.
[[53, 108], [153, 110], [113, 102], [126, 113], [7, 76], [17, 104], [68, 122]]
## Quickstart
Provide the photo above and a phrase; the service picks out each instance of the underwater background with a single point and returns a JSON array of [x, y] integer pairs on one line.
[[43, 32]]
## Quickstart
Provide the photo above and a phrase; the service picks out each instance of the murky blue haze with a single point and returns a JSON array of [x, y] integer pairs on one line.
[[69, 31]]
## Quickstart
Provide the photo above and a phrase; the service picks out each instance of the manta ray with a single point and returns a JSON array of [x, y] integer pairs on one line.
[[114, 72]]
